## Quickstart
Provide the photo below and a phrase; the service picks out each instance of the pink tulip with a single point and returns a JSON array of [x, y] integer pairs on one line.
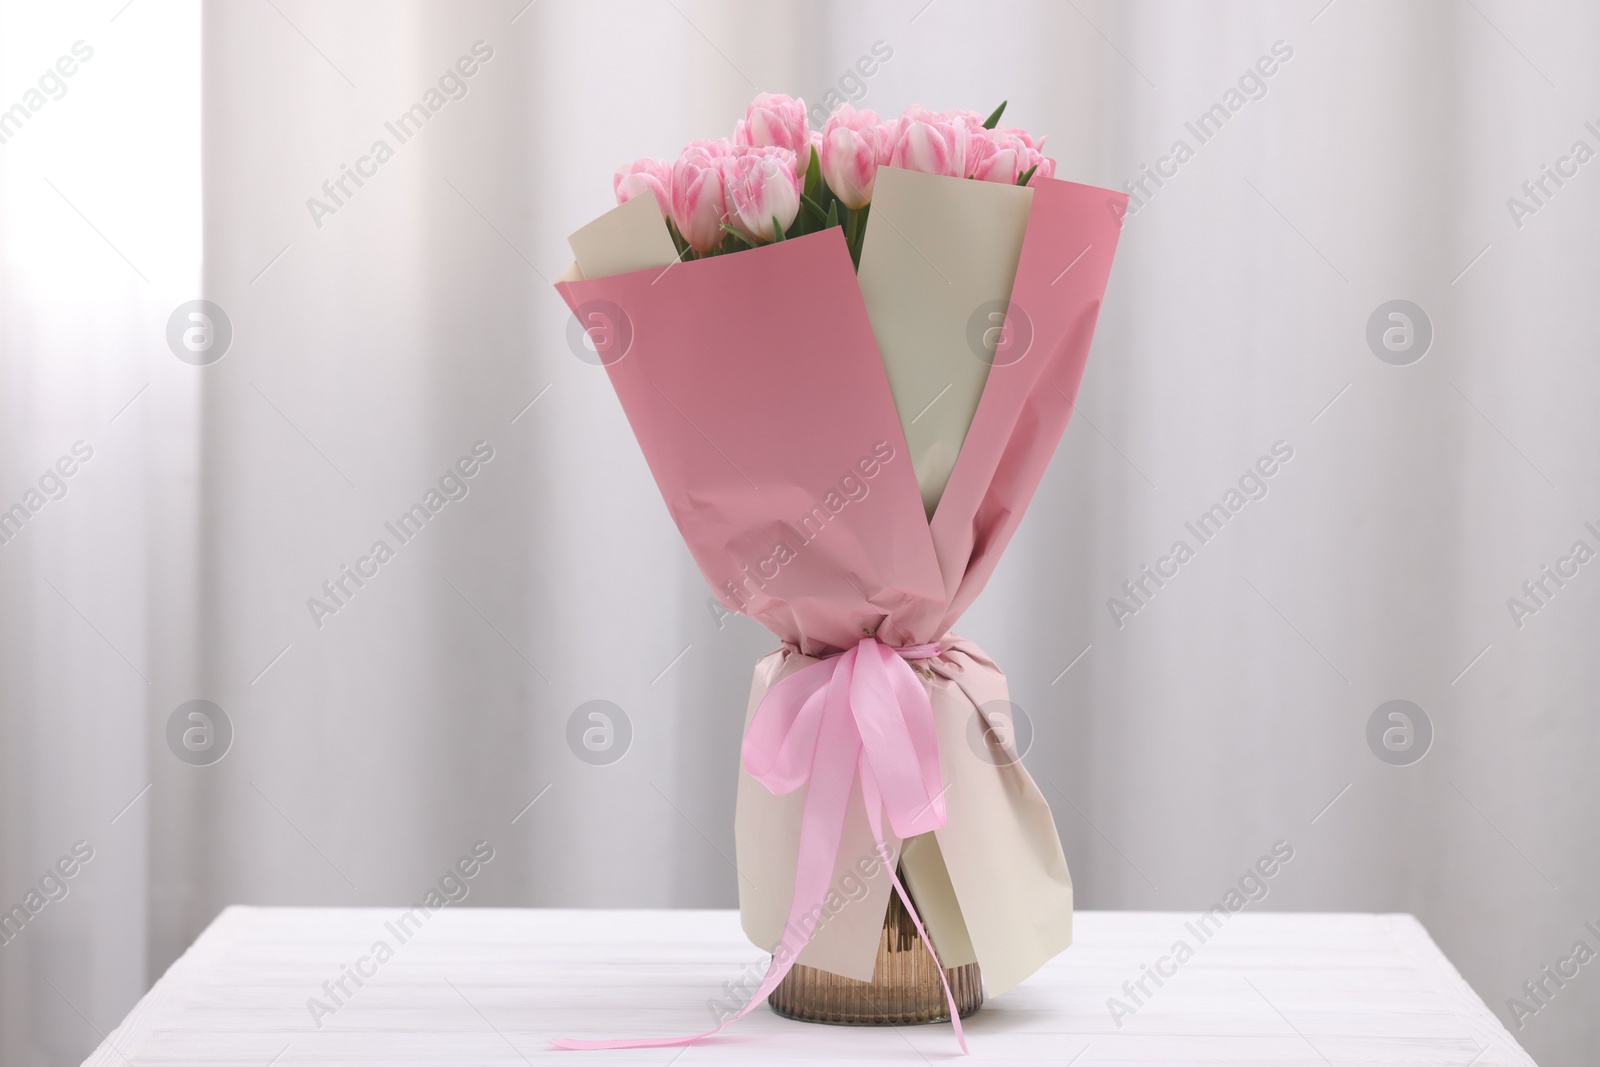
[[761, 183], [775, 120], [1033, 157], [935, 143], [1042, 165], [635, 178], [971, 137], [1046, 168], [698, 201], [854, 143], [1004, 155]]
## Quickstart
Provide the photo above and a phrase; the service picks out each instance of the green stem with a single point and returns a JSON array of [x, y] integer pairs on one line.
[[677, 239], [857, 232]]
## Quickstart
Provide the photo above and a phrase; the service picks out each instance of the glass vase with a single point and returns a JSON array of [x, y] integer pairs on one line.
[[905, 985]]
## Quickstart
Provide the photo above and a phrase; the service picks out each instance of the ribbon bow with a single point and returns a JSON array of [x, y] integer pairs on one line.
[[861, 713]]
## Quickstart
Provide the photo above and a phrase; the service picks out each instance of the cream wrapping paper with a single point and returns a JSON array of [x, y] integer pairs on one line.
[[940, 254]]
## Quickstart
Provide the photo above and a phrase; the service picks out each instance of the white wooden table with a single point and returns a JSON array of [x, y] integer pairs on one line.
[[488, 986]]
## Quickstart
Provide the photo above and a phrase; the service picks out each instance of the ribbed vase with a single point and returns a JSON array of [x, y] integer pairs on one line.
[[905, 985]]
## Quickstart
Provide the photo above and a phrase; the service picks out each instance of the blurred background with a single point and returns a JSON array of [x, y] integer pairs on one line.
[[224, 468]]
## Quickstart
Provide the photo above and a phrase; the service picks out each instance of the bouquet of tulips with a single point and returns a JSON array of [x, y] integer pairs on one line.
[[847, 420], [777, 179]]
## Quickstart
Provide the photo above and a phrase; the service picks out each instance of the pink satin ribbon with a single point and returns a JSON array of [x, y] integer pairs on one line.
[[861, 713]]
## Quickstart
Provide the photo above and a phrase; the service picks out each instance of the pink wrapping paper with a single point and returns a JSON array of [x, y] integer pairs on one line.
[[755, 389]]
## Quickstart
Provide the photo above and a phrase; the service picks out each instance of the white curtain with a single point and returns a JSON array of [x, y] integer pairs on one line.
[[381, 329], [100, 169]]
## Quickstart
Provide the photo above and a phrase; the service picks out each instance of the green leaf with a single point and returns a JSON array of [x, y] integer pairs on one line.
[[825, 195], [739, 236], [813, 207], [777, 230], [994, 117], [833, 215], [813, 176], [1027, 175], [812, 193]]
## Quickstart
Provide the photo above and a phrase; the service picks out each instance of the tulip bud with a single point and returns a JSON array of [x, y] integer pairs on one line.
[[854, 144], [778, 121], [1007, 154], [698, 202], [761, 183], [641, 175], [928, 142]]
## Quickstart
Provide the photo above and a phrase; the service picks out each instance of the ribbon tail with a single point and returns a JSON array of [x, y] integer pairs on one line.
[[949, 997], [869, 793]]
